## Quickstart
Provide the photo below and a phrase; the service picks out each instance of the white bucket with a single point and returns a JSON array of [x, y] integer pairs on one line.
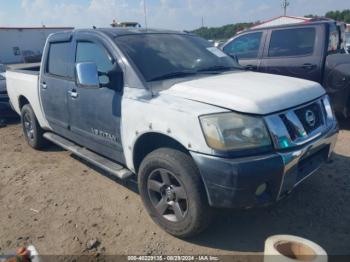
[[286, 248], [34, 255]]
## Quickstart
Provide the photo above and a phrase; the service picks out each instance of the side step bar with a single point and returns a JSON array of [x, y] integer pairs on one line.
[[95, 159]]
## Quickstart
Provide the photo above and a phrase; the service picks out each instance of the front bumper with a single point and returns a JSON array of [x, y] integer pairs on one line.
[[233, 183]]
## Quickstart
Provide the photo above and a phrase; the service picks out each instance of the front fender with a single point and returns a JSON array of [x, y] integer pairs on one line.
[[337, 80], [174, 117]]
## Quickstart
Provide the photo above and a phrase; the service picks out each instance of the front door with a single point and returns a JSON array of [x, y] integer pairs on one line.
[[56, 76], [95, 114], [294, 52], [247, 48]]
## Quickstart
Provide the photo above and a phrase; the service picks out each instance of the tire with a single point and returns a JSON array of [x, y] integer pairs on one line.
[[33, 133], [168, 179]]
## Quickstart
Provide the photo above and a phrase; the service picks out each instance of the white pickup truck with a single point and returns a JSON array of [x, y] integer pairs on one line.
[[177, 113]]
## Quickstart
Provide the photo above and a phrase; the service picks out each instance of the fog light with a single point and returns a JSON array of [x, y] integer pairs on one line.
[[261, 189]]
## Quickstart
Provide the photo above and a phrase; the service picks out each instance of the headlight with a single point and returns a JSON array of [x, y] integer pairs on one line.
[[232, 131]]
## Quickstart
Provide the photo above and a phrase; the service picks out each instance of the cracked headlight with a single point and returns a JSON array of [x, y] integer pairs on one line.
[[232, 131]]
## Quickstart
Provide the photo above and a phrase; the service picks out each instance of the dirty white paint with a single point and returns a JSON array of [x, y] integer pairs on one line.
[[175, 117], [249, 92], [26, 85]]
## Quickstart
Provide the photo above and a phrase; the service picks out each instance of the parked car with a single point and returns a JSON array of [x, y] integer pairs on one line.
[[175, 112], [347, 41], [5, 107], [311, 51], [4, 99], [3, 93]]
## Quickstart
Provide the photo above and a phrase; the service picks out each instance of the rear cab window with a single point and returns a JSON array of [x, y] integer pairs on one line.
[[58, 63], [292, 42]]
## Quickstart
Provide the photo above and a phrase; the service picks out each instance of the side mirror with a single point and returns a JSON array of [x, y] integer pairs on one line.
[[87, 75], [234, 57], [116, 79]]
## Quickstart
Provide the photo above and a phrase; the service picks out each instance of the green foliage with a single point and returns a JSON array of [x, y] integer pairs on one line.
[[221, 33], [343, 16], [311, 16], [227, 31]]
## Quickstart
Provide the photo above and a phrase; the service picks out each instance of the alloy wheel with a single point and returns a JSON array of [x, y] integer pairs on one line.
[[28, 126], [168, 195]]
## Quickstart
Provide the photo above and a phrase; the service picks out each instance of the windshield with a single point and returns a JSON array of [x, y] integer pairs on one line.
[[163, 56]]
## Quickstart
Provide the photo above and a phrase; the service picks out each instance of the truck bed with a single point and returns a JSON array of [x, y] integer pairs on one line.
[[22, 83], [32, 69]]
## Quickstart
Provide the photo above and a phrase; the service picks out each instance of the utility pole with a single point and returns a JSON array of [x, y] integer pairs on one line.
[[145, 12], [202, 21], [285, 5]]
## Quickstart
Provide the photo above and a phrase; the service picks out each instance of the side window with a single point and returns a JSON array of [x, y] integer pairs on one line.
[[292, 42], [91, 52], [246, 46], [59, 59]]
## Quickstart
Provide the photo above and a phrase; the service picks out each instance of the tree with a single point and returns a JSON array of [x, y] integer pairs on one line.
[[221, 33], [343, 16], [311, 16], [227, 31]]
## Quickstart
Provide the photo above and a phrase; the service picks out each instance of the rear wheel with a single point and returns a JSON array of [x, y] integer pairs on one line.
[[33, 133], [173, 193]]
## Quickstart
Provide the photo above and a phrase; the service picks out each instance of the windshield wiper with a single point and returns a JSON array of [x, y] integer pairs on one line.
[[173, 75], [217, 68]]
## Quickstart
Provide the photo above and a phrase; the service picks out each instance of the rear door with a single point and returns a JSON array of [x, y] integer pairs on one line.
[[248, 48], [55, 79], [95, 114], [295, 52]]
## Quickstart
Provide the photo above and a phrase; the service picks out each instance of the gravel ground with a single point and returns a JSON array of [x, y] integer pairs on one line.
[[64, 206]]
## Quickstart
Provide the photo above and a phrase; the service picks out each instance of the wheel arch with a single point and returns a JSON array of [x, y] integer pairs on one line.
[[145, 144], [22, 101]]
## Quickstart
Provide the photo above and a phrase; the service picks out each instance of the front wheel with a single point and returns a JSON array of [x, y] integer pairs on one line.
[[173, 193], [33, 132]]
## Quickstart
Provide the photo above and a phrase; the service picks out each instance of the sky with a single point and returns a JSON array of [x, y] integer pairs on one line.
[[170, 14]]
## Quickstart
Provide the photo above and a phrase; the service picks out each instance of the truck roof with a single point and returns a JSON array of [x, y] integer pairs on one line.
[[114, 32], [111, 32], [312, 22]]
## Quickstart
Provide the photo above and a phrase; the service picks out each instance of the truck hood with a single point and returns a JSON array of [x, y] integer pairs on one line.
[[248, 92]]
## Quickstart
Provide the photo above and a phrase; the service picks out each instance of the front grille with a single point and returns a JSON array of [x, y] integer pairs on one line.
[[310, 116], [298, 126], [291, 130]]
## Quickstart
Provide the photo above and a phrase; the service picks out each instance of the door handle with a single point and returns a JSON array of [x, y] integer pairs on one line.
[[251, 67], [73, 94], [308, 66], [44, 85]]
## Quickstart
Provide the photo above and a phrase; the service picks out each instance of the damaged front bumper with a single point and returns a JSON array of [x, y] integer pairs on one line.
[[263, 179], [232, 183]]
